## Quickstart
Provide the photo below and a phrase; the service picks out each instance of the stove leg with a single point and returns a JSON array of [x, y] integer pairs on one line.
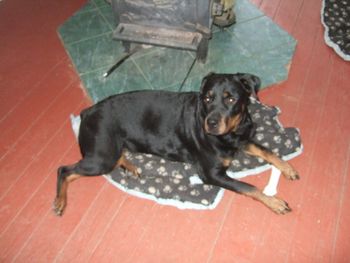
[[127, 46], [202, 51]]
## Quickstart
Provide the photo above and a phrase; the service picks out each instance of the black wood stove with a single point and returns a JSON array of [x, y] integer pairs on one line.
[[182, 24]]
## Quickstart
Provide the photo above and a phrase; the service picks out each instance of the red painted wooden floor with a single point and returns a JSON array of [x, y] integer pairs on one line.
[[39, 89]]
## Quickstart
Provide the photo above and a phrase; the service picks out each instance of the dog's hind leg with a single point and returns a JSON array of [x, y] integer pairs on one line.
[[125, 164], [85, 167], [67, 174]]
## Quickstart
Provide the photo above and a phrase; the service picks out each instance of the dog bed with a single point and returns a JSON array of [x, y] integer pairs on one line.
[[177, 184], [335, 18]]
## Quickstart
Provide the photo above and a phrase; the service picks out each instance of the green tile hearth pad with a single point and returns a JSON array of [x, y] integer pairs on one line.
[[255, 44]]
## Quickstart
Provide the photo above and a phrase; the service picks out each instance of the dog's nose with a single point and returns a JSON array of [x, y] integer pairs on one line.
[[213, 122]]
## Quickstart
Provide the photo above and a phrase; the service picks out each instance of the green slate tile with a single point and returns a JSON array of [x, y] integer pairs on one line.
[[225, 52], [107, 13], [245, 10], [254, 45], [276, 63], [261, 34], [165, 67], [100, 3], [94, 53], [83, 25], [225, 48], [193, 79], [192, 84], [89, 6], [126, 78]]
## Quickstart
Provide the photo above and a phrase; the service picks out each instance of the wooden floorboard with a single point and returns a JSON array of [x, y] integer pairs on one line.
[[340, 249], [31, 42], [35, 104], [52, 232], [36, 140], [288, 13], [94, 226], [270, 7], [305, 32], [341, 243]]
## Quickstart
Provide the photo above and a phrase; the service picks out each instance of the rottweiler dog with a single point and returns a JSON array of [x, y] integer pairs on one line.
[[204, 128]]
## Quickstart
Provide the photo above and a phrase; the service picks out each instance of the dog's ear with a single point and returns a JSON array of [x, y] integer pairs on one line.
[[205, 79], [251, 83]]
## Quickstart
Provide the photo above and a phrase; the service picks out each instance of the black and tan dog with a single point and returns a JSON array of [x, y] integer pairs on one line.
[[205, 129]]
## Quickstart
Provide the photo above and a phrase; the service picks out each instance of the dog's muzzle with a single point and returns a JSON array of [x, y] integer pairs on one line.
[[215, 124]]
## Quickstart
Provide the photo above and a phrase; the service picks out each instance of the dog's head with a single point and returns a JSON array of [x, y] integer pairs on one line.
[[224, 99]]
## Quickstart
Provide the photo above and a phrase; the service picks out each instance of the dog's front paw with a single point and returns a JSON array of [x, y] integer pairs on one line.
[[290, 173], [278, 206]]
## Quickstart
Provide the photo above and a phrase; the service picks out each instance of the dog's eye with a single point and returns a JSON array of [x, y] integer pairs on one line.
[[231, 100], [208, 99]]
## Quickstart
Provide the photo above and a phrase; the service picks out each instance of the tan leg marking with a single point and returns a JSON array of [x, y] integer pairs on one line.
[[125, 164], [60, 202], [287, 170], [226, 162]]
